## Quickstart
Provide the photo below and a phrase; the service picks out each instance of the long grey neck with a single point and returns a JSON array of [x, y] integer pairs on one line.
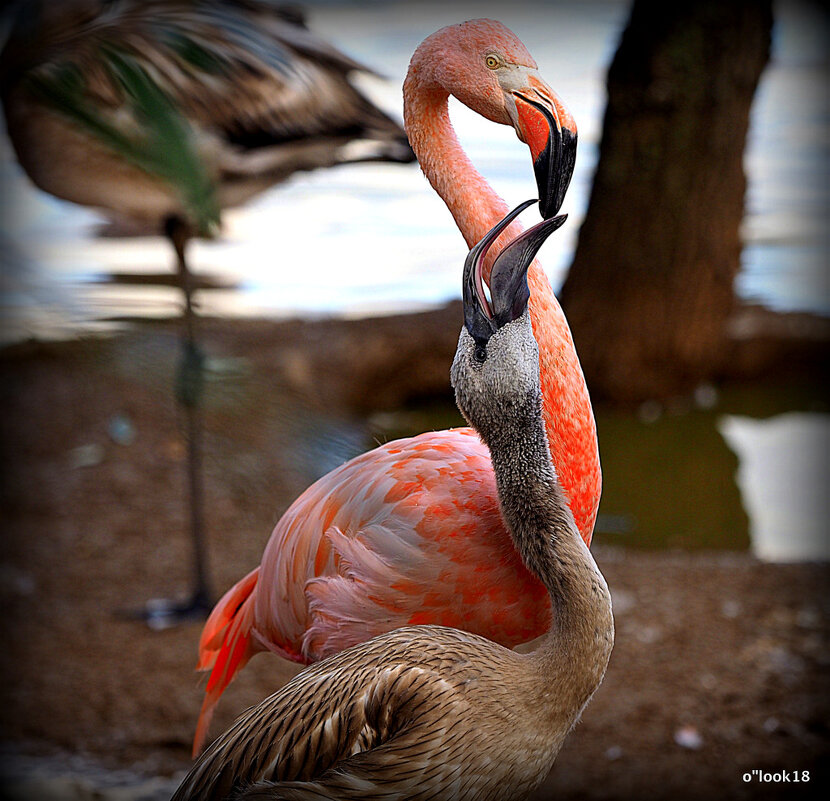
[[541, 524]]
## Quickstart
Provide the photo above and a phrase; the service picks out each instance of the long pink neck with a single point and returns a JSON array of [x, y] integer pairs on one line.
[[476, 208]]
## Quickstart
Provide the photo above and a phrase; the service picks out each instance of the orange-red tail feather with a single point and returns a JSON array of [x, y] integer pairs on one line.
[[225, 647]]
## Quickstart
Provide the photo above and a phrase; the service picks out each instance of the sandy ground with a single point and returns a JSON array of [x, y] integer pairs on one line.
[[720, 667]]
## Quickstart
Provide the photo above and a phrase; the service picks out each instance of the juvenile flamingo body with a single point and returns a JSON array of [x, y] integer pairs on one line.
[[410, 532]]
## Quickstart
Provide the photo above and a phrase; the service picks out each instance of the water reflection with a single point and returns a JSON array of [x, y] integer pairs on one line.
[[746, 473], [671, 481], [782, 473]]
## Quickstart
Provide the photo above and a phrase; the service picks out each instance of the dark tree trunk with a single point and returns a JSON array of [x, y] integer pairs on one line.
[[651, 285]]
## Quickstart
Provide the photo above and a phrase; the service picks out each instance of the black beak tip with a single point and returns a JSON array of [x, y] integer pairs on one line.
[[549, 206], [554, 168]]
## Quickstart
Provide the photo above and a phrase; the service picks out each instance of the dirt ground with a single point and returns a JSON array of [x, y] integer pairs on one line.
[[721, 662]]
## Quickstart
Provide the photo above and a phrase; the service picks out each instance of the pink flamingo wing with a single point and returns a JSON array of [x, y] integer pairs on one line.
[[409, 533]]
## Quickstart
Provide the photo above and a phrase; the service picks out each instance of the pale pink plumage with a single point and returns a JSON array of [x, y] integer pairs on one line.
[[411, 532]]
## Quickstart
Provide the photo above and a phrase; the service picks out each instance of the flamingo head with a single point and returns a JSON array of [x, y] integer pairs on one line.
[[485, 65], [496, 365]]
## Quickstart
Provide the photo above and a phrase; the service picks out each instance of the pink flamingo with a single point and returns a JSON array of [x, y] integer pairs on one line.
[[410, 533]]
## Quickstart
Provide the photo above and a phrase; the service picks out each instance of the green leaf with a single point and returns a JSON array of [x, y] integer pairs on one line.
[[163, 142]]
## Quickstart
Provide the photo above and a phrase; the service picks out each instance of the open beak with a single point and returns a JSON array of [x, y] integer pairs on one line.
[[509, 293], [546, 126]]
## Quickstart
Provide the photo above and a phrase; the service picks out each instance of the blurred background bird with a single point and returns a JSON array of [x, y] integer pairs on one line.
[[165, 113]]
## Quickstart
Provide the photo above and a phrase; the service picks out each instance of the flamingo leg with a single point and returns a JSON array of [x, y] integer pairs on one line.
[[189, 394], [163, 613]]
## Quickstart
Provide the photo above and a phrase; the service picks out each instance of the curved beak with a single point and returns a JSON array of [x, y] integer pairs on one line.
[[509, 293], [546, 126]]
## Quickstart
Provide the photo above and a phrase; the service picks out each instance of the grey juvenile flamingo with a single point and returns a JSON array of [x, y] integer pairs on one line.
[[166, 112], [428, 712]]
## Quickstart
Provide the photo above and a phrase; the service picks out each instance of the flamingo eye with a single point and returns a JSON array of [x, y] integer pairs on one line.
[[492, 62]]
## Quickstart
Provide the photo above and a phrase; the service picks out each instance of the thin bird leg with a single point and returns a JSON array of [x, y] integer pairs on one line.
[[162, 613], [189, 390]]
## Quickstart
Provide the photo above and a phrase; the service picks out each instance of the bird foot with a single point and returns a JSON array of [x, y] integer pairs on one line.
[[164, 613]]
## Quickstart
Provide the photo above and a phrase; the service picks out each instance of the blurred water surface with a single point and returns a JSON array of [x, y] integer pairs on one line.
[[372, 239]]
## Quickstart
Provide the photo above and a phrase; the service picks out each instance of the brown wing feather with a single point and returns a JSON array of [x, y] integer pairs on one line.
[[237, 68], [381, 712]]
